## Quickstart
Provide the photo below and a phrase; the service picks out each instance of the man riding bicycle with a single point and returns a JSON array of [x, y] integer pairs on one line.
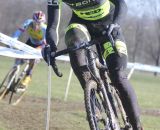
[[90, 19], [36, 29]]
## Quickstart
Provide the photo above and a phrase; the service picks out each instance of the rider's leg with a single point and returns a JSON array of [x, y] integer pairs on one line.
[[127, 94], [75, 34], [17, 63], [31, 66], [117, 65], [32, 62], [27, 78]]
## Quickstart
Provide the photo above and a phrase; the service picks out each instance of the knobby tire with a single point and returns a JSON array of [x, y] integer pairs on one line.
[[8, 81]]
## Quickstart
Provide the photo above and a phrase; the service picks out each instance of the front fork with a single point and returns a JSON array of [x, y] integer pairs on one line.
[[103, 93]]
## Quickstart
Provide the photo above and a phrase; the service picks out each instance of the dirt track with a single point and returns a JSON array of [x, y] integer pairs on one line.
[[30, 114]]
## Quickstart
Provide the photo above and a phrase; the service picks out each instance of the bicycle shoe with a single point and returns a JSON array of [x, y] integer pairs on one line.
[[26, 80], [24, 84], [21, 89]]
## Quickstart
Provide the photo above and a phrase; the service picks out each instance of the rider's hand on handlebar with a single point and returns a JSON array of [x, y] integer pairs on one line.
[[47, 54], [112, 27]]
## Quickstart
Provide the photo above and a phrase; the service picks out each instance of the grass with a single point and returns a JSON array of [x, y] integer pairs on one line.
[[71, 120], [145, 84], [147, 88], [151, 122]]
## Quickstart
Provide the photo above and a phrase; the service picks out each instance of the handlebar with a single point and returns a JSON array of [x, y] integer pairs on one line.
[[72, 49], [66, 51], [52, 62], [82, 45]]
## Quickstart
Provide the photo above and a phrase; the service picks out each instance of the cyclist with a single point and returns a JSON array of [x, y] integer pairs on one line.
[[36, 30], [89, 20]]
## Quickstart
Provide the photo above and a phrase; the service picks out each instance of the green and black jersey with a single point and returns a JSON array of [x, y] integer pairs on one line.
[[89, 10]]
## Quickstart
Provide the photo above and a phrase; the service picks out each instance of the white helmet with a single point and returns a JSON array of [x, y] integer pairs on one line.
[[39, 16]]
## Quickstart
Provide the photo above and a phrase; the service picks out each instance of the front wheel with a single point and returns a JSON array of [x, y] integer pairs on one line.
[[95, 108], [8, 81], [119, 110], [16, 96]]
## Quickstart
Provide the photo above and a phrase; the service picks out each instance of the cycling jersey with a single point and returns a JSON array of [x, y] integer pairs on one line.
[[88, 10], [37, 37]]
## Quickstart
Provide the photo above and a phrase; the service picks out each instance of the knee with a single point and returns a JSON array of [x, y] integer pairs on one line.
[[76, 33], [118, 76], [121, 47], [108, 49]]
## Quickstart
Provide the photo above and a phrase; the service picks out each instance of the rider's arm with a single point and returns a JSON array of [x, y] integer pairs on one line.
[[120, 10], [52, 37], [21, 29]]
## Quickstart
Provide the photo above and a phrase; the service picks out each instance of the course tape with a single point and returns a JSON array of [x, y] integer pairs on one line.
[[27, 52]]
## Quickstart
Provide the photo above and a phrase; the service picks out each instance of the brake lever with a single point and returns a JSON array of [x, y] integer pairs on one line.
[[56, 70], [54, 65]]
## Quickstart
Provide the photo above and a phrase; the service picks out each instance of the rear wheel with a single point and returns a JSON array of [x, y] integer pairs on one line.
[[96, 112]]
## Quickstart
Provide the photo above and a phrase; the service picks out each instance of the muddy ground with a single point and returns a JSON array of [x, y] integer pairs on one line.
[[30, 113]]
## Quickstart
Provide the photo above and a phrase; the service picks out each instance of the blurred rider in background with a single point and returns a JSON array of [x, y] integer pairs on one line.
[[36, 30]]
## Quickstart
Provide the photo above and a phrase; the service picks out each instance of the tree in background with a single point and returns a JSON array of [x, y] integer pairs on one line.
[[155, 45]]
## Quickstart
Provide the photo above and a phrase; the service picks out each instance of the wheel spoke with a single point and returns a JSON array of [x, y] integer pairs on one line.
[[98, 114]]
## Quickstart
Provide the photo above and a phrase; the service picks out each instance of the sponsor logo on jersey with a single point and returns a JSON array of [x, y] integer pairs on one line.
[[53, 2], [81, 3], [85, 2]]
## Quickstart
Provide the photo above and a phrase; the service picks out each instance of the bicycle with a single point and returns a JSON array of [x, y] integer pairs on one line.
[[11, 83], [103, 105]]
